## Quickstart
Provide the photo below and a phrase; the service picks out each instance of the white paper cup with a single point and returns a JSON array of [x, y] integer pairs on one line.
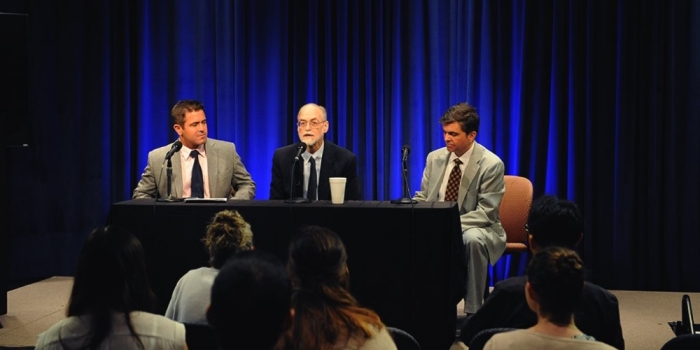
[[337, 190]]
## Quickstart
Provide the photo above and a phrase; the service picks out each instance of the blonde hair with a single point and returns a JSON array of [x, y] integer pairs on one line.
[[227, 234]]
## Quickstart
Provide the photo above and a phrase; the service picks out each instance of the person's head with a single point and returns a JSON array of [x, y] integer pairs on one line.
[[111, 274], [190, 123], [460, 124], [312, 124], [325, 311], [227, 234], [555, 280], [317, 258], [554, 222], [250, 301], [110, 277]]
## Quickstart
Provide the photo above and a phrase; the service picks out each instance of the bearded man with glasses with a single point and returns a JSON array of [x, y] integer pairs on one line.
[[315, 160]]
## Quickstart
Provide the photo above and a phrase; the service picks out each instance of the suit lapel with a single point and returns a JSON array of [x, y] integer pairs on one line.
[[324, 187], [212, 166], [439, 165], [470, 172], [177, 176], [298, 190]]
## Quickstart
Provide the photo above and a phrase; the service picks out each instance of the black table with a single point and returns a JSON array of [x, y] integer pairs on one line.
[[405, 262]]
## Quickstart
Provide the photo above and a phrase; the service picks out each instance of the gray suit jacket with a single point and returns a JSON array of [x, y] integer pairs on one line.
[[228, 177], [480, 193]]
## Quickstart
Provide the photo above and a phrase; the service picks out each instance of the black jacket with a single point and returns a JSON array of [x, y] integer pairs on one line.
[[336, 162]]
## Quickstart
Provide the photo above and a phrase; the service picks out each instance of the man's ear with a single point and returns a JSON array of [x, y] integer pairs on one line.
[[178, 129], [531, 243]]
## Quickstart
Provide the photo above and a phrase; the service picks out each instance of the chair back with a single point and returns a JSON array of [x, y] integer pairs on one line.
[[514, 211], [200, 337], [403, 340], [688, 322], [482, 337], [682, 342]]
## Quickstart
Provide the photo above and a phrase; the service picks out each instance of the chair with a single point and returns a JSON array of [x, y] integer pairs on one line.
[[687, 323], [200, 337], [686, 338], [514, 211], [482, 337], [682, 342], [403, 340]]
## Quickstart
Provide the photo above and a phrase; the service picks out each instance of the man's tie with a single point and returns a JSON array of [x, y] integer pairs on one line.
[[311, 193], [453, 182], [197, 189]]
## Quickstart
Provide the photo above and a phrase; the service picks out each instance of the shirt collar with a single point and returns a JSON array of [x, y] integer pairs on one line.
[[185, 151], [317, 155], [465, 157]]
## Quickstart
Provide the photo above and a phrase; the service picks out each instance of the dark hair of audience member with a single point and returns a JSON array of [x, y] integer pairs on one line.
[[250, 301], [557, 276], [227, 234], [555, 222], [111, 277], [325, 311]]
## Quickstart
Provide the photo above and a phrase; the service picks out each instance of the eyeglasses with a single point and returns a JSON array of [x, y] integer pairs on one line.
[[314, 123]]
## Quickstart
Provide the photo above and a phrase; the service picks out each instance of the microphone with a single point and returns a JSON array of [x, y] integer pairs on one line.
[[176, 147], [301, 147], [405, 150]]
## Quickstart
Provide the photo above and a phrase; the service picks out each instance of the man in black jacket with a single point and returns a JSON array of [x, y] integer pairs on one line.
[[552, 222], [324, 157]]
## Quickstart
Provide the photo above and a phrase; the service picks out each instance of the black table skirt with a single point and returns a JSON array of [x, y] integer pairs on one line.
[[405, 262]]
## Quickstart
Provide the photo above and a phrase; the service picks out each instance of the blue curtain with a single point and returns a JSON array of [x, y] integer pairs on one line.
[[595, 101]]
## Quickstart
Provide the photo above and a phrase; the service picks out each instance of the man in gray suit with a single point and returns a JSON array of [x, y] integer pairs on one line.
[[467, 173], [218, 170]]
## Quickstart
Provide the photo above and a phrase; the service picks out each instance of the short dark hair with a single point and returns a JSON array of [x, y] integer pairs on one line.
[[557, 276], [182, 107], [464, 114], [250, 301], [554, 221]]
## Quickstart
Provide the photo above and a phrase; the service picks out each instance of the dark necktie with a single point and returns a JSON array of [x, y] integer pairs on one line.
[[453, 182], [197, 189], [311, 193]]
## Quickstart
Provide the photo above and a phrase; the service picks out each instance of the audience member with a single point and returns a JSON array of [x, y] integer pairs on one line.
[[555, 280], [251, 302], [227, 234], [467, 173], [326, 158], [203, 168], [552, 222], [326, 315], [111, 299]]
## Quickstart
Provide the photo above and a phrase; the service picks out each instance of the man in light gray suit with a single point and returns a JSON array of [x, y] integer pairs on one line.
[[216, 165], [477, 185]]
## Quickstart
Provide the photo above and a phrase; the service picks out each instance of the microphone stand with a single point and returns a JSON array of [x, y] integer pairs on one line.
[[169, 173], [407, 193], [291, 199]]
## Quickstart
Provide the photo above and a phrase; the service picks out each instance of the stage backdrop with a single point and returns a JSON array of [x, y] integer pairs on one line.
[[595, 101]]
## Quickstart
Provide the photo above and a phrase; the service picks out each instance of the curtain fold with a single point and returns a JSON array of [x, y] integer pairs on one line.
[[597, 102]]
